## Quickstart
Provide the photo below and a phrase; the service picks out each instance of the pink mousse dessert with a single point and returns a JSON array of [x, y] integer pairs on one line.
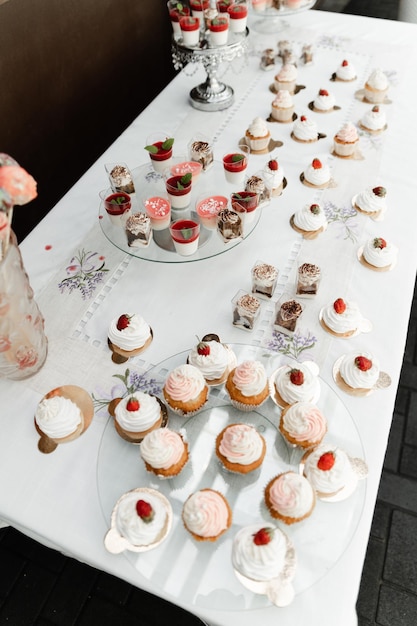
[[159, 211], [208, 209]]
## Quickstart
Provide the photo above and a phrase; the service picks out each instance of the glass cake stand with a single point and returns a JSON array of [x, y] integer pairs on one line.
[[161, 249], [201, 573], [270, 19]]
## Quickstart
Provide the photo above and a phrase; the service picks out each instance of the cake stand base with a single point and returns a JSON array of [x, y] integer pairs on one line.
[[205, 99]]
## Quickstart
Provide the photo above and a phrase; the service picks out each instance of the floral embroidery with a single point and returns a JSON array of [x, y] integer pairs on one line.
[[345, 218], [129, 383], [85, 272], [291, 345]]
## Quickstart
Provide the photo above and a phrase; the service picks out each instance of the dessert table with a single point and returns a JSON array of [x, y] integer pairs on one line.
[[81, 281]]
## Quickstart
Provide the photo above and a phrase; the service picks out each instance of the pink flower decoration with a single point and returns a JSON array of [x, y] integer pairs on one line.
[[20, 185]]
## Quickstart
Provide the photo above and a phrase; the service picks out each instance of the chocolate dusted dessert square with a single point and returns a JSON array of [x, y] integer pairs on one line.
[[246, 310], [287, 314], [138, 230], [120, 178], [264, 279], [229, 225], [201, 152], [308, 279]]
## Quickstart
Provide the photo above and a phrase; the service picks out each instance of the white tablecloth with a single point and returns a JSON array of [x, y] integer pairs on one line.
[[55, 498]]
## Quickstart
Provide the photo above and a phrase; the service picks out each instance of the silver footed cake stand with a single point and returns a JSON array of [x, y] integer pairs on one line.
[[212, 94]]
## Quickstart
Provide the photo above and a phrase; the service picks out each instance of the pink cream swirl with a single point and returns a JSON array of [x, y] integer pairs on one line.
[[250, 378], [241, 443], [291, 494], [162, 448], [184, 383], [305, 422], [205, 513], [348, 133]]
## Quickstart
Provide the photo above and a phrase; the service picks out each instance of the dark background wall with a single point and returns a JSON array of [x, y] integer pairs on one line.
[[73, 75]]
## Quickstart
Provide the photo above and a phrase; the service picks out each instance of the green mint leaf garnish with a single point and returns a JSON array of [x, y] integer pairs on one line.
[[237, 157], [186, 179], [151, 149], [168, 143], [119, 200], [186, 233]]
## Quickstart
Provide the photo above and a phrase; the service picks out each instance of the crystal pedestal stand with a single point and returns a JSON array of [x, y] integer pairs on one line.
[[212, 95]]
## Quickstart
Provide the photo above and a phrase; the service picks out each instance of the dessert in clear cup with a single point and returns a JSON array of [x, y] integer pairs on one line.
[[273, 174], [141, 519], [178, 188], [345, 72], [308, 280], [282, 107], [240, 448], [358, 372], [290, 497], [247, 385], [345, 141], [198, 7], [302, 424], [309, 221], [374, 121], [208, 208], [219, 30], [286, 78], [229, 225], [324, 102], [287, 314], [316, 174], [376, 87], [117, 205], [264, 561], [246, 309], [305, 130], [62, 415], [223, 5], [184, 167], [298, 382], [136, 415], [158, 210], [185, 390], [138, 230], [257, 135], [120, 178], [378, 254], [342, 318], [190, 30], [185, 234], [159, 146], [238, 17], [264, 279], [177, 10], [128, 335], [256, 183], [206, 515], [201, 152], [213, 358], [372, 201], [245, 203], [333, 474], [164, 452], [234, 165]]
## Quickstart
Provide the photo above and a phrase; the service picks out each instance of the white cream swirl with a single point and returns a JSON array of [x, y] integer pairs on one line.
[[378, 80], [379, 257], [184, 383], [305, 129], [309, 391], [283, 99], [324, 102], [370, 202], [346, 71], [145, 417], [287, 74], [250, 378], [347, 134], [205, 513], [317, 176], [291, 495], [332, 480], [213, 365], [310, 220], [162, 448], [241, 444], [57, 417], [355, 377], [259, 562], [133, 336], [258, 128], [344, 322], [304, 421], [132, 527], [273, 178], [374, 119]]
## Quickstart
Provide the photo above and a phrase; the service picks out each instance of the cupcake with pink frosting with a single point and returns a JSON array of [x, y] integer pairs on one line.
[[346, 141], [303, 424], [240, 448], [286, 78], [185, 390], [282, 107], [247, 385], [206, 515], [290, 497], [164, 452]]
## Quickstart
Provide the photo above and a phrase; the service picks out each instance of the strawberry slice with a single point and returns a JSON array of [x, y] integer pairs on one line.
[[123, 321], [363, 363], [317, 164], [339, 306], [273, 164], [132, 404], [296, 377], [263, 536], [323, 92], [326, 461]]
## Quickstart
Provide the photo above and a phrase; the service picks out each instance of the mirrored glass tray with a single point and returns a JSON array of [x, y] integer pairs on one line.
[[199, 573], [148, 183]]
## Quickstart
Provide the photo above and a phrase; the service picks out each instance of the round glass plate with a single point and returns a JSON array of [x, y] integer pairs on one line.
[[201, 574], [149, 183], [270, 19]]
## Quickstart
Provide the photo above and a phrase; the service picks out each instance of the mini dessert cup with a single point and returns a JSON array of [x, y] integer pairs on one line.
[[208, 208], [184, 167], [246, 310], [197, 9], [176, 11], [235, 164], [264, 280], [287, 313], [222, 6], [158, 210], [201, 151], [120, 178], [138, 230], [308, 280], [179, 190], [185, 234], [190, 30], [219, 30], [245, 203], [238, 16], [118, 206], [159, 145], [229, 225], [83, 401]]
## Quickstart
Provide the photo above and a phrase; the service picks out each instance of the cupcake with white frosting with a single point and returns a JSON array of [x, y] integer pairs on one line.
[[359, 371], [345, 72], [305, 130], [374, 120], [257, 135], [273, 174], [302, 424], [164, 452], [136, 415], [128, 336], [296, 383], [342, 318], [317, 174], [376, 87], [379, 254], [213, 359], [290, 497], [324, 102], [309, 221], [372, 201]]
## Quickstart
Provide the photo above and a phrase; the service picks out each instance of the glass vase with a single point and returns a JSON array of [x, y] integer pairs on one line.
[[23, 344]]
